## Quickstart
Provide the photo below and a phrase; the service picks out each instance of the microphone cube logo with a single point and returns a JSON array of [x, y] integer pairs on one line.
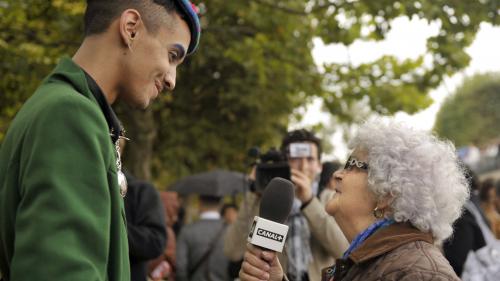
[[270, 235]]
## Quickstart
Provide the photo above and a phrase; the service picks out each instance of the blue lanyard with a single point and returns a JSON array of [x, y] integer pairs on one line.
[[360, 238]]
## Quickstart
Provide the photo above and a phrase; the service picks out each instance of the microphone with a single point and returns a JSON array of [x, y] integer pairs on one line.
[[268, 229]]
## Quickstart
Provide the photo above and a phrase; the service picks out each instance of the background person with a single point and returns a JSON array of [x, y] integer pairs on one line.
[[164, 266], [326, 187], [497, 203], [146, 229], [488, 196], [229, 212], [199, 245], [467, 235]]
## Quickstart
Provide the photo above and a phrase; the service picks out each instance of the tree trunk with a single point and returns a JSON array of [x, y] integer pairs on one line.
[[140, 128]]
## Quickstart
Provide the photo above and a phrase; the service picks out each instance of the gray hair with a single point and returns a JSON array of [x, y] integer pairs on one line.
[[421, 173]]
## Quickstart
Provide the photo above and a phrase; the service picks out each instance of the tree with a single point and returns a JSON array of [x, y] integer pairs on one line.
[[471, 115], [389, 85], [33, 35], [253, 68]]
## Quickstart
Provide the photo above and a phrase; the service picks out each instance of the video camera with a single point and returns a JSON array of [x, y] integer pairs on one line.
[[274, 163]]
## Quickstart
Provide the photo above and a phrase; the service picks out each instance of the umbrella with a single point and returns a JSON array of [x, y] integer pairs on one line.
[[212, 183]]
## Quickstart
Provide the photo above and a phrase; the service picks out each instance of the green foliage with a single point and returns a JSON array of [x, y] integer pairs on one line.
[[390, 85], [386, 84], [250, 72], [33, 35], [253, 68], [471, 115]]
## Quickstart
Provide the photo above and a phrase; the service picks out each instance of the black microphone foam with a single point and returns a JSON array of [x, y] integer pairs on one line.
[[277, 200]]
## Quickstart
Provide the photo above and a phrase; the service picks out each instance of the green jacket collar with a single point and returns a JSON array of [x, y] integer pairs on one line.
[[69, 72]]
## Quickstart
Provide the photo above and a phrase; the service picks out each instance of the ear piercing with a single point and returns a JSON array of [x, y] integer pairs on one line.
[[131, 39]]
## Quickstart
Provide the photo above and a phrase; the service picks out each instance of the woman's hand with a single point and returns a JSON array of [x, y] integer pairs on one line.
[[259, 264]]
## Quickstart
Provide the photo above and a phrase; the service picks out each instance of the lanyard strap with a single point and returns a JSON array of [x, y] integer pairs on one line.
[[360, 238]]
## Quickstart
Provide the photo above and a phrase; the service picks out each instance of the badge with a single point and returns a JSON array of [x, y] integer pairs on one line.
[[122, 180]]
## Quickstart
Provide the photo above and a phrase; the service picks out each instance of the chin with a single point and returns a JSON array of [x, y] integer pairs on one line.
[[330, 208], [137, 104], [145, 104], [142, 102]]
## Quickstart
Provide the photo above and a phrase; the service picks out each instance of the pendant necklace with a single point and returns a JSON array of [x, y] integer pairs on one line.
[[122, 180]]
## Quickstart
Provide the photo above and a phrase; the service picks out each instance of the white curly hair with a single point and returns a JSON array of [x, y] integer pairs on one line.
[[421, 173]]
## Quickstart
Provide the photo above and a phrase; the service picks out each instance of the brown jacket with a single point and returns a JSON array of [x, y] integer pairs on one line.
[[397, 252]]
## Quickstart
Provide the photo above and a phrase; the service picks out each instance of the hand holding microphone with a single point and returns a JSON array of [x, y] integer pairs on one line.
[[268, 233], [260, 264]]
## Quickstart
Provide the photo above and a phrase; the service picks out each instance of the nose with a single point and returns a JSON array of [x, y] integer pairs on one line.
[[170, 80], [337, 175], [302, 164]]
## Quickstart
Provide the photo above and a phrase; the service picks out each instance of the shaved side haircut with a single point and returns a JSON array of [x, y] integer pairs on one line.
[[100, 14]]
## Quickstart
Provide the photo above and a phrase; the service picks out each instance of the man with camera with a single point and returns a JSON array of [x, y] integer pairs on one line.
[[314, 238]]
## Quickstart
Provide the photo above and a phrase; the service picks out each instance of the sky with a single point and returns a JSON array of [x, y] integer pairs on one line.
[[407, 39]]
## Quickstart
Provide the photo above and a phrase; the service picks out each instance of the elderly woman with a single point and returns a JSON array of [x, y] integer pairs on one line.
[[396, 198]]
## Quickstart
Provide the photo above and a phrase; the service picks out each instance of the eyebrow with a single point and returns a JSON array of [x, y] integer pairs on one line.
[[182, 51]]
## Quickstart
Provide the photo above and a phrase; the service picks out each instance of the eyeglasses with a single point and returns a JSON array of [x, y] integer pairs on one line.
[[353, 162]]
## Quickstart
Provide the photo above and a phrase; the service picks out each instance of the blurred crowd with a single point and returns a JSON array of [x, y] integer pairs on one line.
[[213, 244]]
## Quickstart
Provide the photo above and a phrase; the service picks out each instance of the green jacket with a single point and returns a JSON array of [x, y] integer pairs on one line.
[[61, 213]]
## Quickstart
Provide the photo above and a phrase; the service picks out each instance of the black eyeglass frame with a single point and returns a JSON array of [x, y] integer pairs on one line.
[[353, 162]]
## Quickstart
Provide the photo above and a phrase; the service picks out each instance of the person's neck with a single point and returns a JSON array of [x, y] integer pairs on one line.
[[354, 227], [100, 61], [209, 213]]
